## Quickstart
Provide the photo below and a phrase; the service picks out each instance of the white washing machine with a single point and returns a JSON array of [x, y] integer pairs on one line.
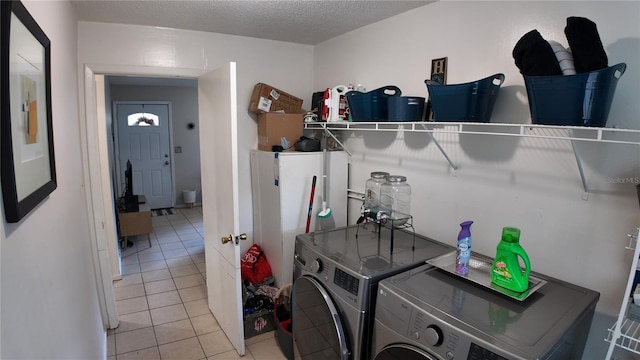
[[428, 313], [336, 276]]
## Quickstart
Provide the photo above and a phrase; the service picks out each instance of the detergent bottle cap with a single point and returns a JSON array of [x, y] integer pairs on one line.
[[511, 235]]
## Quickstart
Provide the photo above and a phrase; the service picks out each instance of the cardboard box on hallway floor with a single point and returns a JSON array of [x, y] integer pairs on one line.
[[273, 126], [266, 98]]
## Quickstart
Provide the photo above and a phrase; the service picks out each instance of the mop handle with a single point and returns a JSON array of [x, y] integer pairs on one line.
[[313, 190]]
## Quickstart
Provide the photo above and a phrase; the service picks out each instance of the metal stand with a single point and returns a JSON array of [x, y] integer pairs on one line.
[[382, 219]]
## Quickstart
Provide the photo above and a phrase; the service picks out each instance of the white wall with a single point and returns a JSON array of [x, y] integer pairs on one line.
[[49, 301], [530, 184], [184, 109]]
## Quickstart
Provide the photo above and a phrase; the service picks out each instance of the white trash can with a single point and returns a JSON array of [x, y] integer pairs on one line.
[[189, 197]]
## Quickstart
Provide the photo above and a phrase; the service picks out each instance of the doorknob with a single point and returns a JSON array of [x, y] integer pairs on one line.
[[226, 239], [166, 162]]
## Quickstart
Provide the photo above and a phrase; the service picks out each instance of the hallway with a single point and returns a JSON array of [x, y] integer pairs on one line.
[[162, 299]]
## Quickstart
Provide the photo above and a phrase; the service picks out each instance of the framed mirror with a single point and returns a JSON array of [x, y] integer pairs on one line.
[[27, 162]]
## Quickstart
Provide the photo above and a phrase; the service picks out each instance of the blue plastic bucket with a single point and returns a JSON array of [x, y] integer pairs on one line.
[[405, 108], [372, 105], [578, 100], [471, 101]]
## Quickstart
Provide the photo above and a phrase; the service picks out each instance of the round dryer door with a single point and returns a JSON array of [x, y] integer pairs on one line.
[[402, 352], [318, 332]]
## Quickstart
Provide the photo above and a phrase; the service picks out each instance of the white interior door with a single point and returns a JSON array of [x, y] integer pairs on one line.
[[217, 104], [143, 138]]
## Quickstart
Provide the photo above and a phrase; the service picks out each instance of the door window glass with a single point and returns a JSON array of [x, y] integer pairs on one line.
[[143, 119]]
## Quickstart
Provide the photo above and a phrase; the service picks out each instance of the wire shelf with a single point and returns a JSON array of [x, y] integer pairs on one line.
[[573, 133], [625, 333], [629, 337]]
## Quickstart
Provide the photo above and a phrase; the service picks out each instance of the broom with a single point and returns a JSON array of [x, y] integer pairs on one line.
[[325, 219]]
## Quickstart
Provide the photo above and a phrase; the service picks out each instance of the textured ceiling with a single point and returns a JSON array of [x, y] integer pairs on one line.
[[304, 22]]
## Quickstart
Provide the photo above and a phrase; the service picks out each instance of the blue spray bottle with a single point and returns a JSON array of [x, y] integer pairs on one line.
[[463, 252]]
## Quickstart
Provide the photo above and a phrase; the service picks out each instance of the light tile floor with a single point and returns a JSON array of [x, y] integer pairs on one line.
[[162, 299]]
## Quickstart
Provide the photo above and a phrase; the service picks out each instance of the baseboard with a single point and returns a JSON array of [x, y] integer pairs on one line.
[[184, 206]]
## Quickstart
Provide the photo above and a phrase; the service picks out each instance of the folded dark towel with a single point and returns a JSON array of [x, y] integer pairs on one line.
[[585, 44], [534, 56]]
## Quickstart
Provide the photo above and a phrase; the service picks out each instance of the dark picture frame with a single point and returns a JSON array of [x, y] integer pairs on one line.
[[27, 161], [438, 74]]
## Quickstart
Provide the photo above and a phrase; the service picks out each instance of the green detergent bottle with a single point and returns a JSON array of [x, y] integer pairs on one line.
[[506, 271]]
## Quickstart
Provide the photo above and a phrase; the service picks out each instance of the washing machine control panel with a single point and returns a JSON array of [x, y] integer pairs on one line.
[[478, 352], [433, 335], [316, 266], [442, 338], [346, 281], [342, 283], [437, 337]]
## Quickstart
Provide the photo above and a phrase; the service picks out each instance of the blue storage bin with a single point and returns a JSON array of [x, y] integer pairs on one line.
[[405, 108], [372, 105], [471, 101], [578, 100]]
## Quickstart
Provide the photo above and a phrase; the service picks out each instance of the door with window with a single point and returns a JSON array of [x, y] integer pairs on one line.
[[143, 139]]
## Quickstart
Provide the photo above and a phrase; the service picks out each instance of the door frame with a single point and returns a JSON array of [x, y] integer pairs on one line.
[[116, 139], [97, 185]]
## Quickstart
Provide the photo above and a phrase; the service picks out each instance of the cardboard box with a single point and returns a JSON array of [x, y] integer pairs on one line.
[[273, 126], [258, 323], [266, 98]]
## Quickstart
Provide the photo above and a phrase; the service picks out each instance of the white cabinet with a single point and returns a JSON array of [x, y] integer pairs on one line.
[[281, 185]]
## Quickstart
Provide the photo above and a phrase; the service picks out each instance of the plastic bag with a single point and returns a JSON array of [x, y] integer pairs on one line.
[[254, 266]]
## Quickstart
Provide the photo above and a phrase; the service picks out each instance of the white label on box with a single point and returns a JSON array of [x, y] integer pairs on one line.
[[274, 94], [264, 104]]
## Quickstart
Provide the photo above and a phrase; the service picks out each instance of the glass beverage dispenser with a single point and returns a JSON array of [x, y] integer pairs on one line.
[[395, 199]]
